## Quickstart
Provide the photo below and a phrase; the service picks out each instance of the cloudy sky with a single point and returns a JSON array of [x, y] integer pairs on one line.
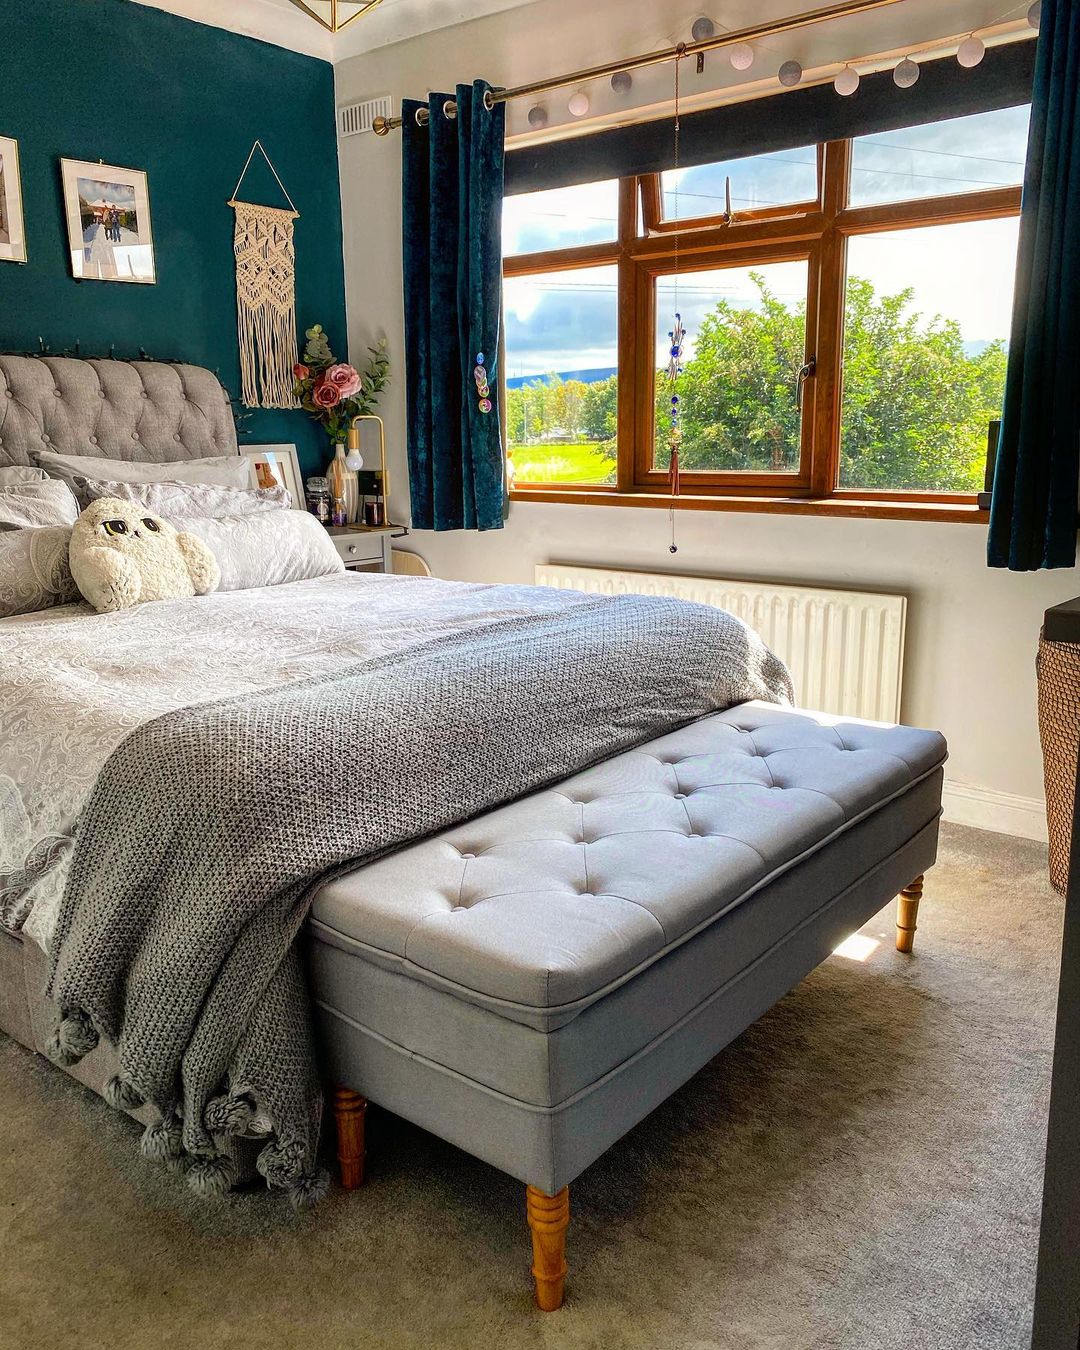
[[566, 320]]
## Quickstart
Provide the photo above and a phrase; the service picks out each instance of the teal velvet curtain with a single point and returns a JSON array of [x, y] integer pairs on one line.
[[1033, 512], [452, 188]]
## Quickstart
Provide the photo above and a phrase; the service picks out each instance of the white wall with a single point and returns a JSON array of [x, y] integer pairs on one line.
[[972, 631]]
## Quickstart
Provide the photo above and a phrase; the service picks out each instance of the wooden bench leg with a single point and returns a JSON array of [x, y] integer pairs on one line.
[[907, 911], [549, 1217], [350, 1109]]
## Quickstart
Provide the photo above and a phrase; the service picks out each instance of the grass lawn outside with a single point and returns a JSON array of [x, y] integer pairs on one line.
[[587, 462]]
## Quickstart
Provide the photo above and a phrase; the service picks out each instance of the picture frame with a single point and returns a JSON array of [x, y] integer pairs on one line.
[[277, 466], [107, 208], [12, 225]]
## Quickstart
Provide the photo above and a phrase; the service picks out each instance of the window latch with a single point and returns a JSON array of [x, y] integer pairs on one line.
[[805, 373]]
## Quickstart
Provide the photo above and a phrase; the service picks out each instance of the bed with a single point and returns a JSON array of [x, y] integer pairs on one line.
[[591, 842]]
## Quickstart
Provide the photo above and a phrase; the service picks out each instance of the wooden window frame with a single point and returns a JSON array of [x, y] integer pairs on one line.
[[816, 231]]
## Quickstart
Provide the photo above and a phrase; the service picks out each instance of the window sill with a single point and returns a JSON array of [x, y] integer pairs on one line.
[[866, 508]]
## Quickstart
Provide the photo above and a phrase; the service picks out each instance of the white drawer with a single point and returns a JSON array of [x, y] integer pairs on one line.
[[359, 548]]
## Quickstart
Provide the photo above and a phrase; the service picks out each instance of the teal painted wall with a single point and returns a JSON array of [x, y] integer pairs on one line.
[[115, 80]]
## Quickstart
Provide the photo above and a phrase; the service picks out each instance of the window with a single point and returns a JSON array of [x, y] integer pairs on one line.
[[926, 331], [745, 346], [759, 183], [965, 154], [560, 218], [847, 326], [561, 422]]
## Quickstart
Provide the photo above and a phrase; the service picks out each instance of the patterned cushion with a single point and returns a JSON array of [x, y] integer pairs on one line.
[[223, 470], [178, 501], [268, 548], [48, 503], [34, 571]]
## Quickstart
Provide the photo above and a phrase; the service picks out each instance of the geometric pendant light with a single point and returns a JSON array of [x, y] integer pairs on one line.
[[335, 14]]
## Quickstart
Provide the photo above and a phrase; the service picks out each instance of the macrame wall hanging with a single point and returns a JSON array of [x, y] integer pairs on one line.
[[265, 296]]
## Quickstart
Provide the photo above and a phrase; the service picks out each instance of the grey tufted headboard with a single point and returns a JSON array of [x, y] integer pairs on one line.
[[144, 410]]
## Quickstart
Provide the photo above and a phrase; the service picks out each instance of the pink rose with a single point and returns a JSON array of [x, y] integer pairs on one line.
[[326, 395], [301, 371], [345, 379]]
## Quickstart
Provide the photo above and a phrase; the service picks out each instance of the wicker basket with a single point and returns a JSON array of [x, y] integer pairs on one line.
[[1058, 667]]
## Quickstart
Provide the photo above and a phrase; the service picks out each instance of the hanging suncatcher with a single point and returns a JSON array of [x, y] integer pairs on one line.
[[677, 338], [265, 296]]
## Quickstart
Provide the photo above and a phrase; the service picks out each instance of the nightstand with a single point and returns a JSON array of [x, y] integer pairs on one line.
[[366, 548]]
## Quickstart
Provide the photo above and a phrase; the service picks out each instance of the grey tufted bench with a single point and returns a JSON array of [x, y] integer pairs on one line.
[[531, 984]]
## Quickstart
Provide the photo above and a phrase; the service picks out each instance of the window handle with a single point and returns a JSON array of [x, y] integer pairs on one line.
[[805, 373]]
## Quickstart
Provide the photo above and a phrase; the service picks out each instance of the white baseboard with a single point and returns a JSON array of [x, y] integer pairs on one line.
[[1002, 812]]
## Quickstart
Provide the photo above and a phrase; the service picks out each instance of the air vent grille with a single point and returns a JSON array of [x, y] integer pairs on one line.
[[359, 117]]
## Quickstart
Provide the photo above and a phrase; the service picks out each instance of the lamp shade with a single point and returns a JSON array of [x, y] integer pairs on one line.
[[335, 14]]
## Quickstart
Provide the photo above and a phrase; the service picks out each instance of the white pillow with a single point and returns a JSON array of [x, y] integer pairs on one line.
[[28, 504], [269, 548], [34, 570], [224, 470], [177, 501], [14, 474]]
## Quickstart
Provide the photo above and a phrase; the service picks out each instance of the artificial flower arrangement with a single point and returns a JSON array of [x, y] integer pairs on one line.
[[334, 392]]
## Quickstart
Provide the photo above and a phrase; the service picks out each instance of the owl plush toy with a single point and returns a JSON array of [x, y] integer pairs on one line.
[[121, 555]]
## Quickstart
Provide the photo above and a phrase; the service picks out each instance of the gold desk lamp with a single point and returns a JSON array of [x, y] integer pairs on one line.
[[355, 461]]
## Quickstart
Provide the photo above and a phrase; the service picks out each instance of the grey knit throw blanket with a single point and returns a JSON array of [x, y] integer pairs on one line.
[[210, 828]]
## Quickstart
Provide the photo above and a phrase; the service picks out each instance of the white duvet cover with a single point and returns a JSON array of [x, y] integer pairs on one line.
[[73, 684]]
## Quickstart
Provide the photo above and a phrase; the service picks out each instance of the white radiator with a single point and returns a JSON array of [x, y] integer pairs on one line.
[[845, 649]]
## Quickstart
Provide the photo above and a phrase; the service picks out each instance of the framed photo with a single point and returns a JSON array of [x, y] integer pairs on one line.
[[12, 232], [108, 222], [277, 466]]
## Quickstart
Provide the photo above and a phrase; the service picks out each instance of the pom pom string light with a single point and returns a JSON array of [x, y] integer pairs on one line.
[[906, 74], [538, 116], [703, 29], [741, 56], [579, 103], [970, 52], [847, 81], [789, 74], [1034, 15], [622, 81]]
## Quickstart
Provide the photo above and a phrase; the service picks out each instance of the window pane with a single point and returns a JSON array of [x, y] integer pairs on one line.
[[745, 343], [964, 154], [533, 222], [925, 341], [781, 179], [561, 362]]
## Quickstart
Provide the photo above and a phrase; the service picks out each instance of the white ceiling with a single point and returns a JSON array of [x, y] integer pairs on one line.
[[282, 23]]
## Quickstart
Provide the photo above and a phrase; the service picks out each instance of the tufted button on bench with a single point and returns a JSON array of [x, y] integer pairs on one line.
[[533, 983]]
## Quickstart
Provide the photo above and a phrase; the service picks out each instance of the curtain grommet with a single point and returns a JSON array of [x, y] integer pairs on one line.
[[489, 100], [449, 109]]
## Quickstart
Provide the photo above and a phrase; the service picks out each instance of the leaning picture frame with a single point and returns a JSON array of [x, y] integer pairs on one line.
[[108, 222], [277, 466], [12, 225]]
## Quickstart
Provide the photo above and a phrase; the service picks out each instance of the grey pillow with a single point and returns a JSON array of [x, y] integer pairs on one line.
[[176, 501], [31, 504], [224, 470], [14, 474], [269, 548], [34, 570]]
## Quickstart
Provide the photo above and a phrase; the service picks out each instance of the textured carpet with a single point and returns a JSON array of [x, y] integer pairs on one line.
[[861, 1169]]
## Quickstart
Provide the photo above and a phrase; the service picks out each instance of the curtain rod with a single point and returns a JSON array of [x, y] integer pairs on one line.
[[382, 126]]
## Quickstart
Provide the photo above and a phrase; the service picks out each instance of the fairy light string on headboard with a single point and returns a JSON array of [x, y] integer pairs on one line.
[[676, 334]]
